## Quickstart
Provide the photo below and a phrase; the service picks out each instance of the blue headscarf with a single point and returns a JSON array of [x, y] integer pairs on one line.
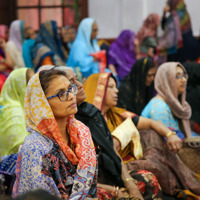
[[82, 47]]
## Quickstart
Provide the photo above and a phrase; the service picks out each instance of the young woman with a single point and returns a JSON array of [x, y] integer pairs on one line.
[[170, 106], [58, 155]]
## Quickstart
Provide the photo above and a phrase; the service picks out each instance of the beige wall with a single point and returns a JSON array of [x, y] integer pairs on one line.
[[113, 16]]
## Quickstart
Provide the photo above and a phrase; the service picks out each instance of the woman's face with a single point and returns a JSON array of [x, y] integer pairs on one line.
[[72, 77], [61, 109], [181, 80], [111, 94], [94, 31], [150, 76]]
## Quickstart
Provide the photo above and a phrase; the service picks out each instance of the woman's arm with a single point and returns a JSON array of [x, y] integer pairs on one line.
[[137, 48], [129, 184], [173, 141]]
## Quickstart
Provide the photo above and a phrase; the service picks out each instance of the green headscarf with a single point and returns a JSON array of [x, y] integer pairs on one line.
[[12, 119]]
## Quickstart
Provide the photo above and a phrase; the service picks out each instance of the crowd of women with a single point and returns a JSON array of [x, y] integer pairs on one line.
[[76, 127]]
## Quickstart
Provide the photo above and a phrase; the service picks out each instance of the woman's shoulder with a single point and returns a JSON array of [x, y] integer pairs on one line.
[[37, 142], [158, 101], [156, 104]]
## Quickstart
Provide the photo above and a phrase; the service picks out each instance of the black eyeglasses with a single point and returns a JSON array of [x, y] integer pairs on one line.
[[63, 96]]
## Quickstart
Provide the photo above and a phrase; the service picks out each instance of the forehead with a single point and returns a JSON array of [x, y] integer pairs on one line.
[[151, 70], [94, 25], [70, 74], [179, 69], [58, 83], [111, 81]]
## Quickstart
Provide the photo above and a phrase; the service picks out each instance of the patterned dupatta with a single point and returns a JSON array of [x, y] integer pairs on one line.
[[39, 117], [177, 24]]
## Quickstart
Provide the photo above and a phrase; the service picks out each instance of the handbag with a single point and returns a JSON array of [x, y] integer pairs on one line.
[[190, 153]]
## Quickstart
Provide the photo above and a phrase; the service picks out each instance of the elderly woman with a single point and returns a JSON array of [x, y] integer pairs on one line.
[[58, 155], [171, 173], [123, 53], [85, 44], [137, 88]]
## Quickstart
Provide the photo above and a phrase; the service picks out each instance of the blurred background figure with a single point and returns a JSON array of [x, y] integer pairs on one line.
[[147, 35], [178, 42], [14, 44], [137, 88], [68, 34], [30, 36], [47, 49], [123, 53], [85, 44], [12, 121]]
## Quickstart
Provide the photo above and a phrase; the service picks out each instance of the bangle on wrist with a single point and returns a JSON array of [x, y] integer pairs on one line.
[[170, 133], [128, 179]]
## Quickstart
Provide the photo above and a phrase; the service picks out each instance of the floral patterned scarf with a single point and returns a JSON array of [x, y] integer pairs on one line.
[[39, 117]]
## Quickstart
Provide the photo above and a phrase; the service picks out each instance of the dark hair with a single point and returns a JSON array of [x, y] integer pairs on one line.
[[46, 76], [37, 195]]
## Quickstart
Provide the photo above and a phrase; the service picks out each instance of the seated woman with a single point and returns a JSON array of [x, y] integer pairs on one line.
[[85, 44], [58, 155], [112, 172], [170, 106], [147, 35], [123, 53], [47, 49], [137, 88], [157, 158], [12, 121], [68, 34], [14, 44]]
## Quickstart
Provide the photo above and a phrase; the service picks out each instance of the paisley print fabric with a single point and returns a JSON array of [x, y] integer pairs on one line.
[[33, 156]]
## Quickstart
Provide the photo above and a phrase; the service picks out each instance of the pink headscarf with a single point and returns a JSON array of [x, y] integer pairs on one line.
[[16, 34], [165, 85], [149, 28]]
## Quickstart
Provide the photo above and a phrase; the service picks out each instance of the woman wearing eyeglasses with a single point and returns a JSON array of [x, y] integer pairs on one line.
[[170, 106], [58, 155]]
